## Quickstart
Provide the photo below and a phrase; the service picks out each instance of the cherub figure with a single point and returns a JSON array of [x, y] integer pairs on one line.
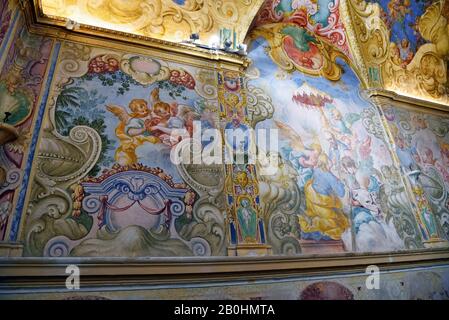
[[132, 131], [399, 9], [166, 122], [405, 52]]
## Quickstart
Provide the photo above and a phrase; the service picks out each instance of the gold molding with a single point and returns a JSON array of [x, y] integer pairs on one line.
[[407, 101], [161, 19], [358, 64], [55, 27]]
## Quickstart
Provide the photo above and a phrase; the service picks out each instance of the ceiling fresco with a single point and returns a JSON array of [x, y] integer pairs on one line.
[[401, 17], [404, 45], [304, 35], [172, 20], [396, 45]]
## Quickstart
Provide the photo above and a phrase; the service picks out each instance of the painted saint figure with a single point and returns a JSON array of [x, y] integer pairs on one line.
[[324, 218], [247, 220]]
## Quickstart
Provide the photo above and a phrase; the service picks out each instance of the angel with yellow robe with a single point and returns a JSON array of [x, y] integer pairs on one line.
[[133, 130], [324, 217]]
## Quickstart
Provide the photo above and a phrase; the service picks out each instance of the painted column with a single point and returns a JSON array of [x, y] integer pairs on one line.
[[246, 231], [23, 77]]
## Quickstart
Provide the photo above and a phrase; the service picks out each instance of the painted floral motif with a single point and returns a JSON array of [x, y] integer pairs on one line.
[[103, 64], [181, 77]]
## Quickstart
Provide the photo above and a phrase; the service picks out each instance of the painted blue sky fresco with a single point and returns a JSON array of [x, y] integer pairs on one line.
[[180, 2], [93, 104], [281, 86], [401, 17], [269, 71]]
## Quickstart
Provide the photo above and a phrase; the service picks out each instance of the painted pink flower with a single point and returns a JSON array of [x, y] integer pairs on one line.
[[103, 64], [183, 78]]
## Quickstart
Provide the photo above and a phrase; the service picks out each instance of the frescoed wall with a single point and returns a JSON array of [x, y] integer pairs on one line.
[[104, 163], [22, 75], [337, 175], [102, 181], [92, 172], [422, 147]]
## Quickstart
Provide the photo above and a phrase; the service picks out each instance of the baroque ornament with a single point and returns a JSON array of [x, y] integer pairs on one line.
[[162, 19], [409, 65], [304, 35], [75, 209]]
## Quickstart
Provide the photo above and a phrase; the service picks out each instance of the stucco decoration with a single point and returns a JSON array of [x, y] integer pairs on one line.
[[304, 35], [403, 45], [171, 20]]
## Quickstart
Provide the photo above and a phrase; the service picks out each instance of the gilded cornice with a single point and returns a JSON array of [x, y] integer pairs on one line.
[[159, 19], [358, 62], [55, 27]]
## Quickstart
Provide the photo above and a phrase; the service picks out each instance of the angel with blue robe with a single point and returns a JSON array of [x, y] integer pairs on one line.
[[324, 218]]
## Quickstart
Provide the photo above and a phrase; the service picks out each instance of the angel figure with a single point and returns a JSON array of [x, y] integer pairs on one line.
[[133, 130], [324, 218], [169, 121]]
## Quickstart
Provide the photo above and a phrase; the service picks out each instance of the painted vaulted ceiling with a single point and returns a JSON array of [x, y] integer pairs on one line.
[[396, 45], [404, 45], [172, 20]]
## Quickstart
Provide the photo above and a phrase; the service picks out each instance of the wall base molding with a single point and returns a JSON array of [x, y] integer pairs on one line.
[[51, 272], [10, 249]]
